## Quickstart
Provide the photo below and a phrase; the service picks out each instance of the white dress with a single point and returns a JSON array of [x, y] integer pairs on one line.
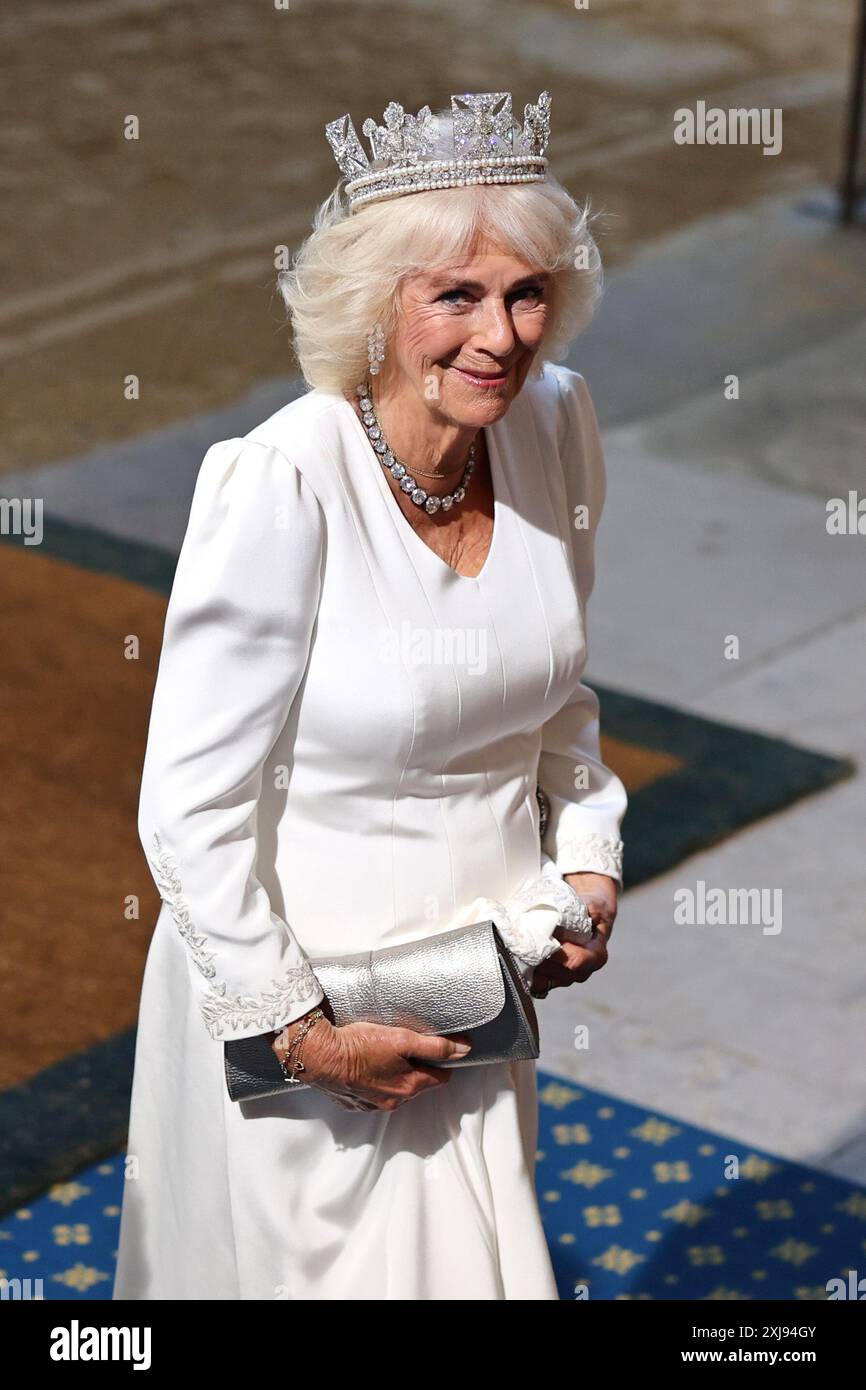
[[343, 752]]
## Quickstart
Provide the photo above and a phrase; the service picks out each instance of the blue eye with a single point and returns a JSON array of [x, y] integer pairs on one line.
[[536, 291]]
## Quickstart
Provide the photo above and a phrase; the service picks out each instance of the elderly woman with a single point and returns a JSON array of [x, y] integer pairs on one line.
[[372, 660]]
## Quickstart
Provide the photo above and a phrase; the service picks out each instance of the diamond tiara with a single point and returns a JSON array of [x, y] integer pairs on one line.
[[486, 147]]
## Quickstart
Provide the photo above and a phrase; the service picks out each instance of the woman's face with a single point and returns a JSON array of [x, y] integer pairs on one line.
[[467, 335]]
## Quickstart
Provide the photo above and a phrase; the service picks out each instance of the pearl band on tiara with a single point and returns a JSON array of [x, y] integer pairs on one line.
[[486, 148]]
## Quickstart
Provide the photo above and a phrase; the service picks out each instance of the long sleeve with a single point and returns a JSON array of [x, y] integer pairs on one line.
[[587, 800], [237, 635]]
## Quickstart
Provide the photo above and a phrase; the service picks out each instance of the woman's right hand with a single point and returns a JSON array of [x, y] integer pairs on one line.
[[369, 1066]]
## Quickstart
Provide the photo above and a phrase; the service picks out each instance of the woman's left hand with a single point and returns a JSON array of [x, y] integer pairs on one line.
[[573, 964]]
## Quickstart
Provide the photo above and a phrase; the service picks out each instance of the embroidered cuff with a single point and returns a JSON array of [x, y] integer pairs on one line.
[[591, 854], [221, 1010], [267, 1011], [535, 919]]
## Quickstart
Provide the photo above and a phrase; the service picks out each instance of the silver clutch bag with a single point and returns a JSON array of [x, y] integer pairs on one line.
[[461, 981]]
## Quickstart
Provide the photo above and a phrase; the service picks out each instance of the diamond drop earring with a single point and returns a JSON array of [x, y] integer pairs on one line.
[[375, 348]]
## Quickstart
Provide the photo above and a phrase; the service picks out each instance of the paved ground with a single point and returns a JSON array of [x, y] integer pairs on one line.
[[157, 261], [155, 256], [722, 506]]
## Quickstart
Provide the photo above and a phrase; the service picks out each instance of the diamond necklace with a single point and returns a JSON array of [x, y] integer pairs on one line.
[[430, 502]]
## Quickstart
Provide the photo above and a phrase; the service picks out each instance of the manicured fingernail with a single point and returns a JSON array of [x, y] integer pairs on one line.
[[461, 1049]]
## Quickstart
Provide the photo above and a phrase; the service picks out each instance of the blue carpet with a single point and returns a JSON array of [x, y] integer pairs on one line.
[[635, 1205], [638, 1205]]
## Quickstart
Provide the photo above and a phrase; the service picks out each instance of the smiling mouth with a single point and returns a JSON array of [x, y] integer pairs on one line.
[[493, 378]]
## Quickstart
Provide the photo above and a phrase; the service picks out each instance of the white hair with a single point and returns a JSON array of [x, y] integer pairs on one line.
[[348, 273]]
